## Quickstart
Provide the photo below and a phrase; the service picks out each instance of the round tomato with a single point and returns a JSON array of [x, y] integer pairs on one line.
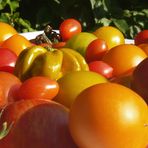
[[109, 115], [101, 68], [141, 37], [124, 58], [96, 50], [111, 35], [38, 87], [8, 60], [6, 31], [69, 27], [16, 43], [144, 47], [10, 84]]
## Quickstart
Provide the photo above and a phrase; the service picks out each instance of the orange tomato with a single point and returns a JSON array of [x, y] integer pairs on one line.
[[144, 47], [16, 43], [111, 35], [109, 115], [124, 58], [6, 31]]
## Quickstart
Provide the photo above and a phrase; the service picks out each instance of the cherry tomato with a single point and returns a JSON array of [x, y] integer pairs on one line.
[[69, 27], [16, 43], [124, 58], [111, 35], [6, 31], [141, 37], [109, 115], [101, 68], [8, 60], [96, 50], [38, 87]]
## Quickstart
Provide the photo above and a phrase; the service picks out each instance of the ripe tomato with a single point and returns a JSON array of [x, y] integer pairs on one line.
[[36, 120], [101, 68], [6, 31], [38, 87], [111, 35], [16, 43], [109, 115], [58, 45], [10, 83], [141, 37], [69, 27], [124, 58], [144, 47], [8, 60], [96, 50]]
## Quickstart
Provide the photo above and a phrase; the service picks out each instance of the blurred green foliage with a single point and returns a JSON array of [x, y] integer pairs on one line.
[[26, 15]]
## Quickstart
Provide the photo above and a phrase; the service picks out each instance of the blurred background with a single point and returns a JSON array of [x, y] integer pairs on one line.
[[129, 16]]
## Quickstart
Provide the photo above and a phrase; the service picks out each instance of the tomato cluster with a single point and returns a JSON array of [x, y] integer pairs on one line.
[[83, 89]]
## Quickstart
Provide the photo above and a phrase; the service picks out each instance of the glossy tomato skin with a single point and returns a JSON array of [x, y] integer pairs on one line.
[[16, 43], [109, 115], [141, 37], [38, 87], [6, 31], [8, 60], [10, 84], [124, 58], [101, 68], [69, 27], [111, 35], [96, 50]]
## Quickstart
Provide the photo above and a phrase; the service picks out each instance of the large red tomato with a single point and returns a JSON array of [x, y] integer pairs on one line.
[[36, 124], [109, 115]]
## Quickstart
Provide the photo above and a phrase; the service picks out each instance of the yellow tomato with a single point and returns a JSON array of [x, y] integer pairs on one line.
[[73, 83], [6, 31], [111, 35]]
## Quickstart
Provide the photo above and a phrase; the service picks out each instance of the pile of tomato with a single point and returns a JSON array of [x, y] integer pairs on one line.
[[101, 105]]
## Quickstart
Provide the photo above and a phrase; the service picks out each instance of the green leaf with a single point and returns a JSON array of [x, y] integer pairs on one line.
[[121, 24]]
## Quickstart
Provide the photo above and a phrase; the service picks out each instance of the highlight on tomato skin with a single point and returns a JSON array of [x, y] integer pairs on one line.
[[69, 27], [38, 87], [7, 60], [17, 43], [6, 31]]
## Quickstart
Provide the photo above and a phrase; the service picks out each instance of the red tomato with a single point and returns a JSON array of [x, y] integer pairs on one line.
[[69, 27], [36, 124], [10, 83], [58, 45], [8, 60], [101, 68], [141, 37], [16, 43], [96, 50], [38, 87]]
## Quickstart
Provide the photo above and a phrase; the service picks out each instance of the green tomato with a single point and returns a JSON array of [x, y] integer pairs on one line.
[[79, 42], [73, 83]]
